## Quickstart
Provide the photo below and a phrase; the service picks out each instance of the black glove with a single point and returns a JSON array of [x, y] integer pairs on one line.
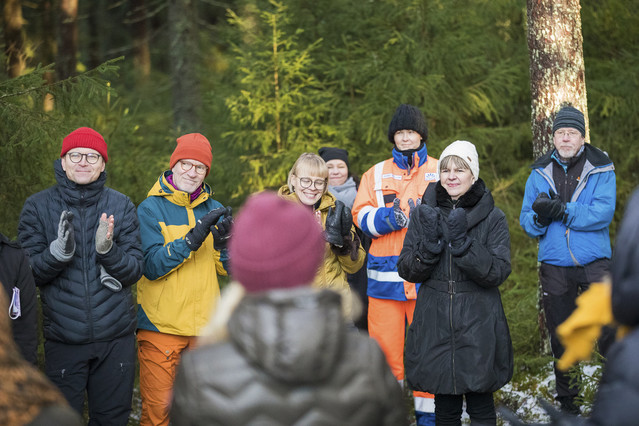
[[430, 231], [222, 231], [457, 228], [196, 236], [400, 217], [63, 247], [339, 221], [549, 208]]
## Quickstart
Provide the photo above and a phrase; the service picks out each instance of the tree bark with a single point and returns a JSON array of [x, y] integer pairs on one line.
[[67, 39], [183, 55], [48, 49], [141, 51], [557, 74], [557, 77], [13, 38]]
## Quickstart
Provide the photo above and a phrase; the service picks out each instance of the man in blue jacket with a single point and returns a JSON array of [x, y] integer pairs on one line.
[[568, 205], [84, 247]]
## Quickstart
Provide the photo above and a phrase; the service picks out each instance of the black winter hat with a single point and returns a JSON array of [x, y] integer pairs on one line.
[[570, 117], [407, 117], [328, 153]]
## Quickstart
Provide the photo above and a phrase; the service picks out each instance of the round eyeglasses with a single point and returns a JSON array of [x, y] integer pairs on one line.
[[306, 182], [199, 169], [76, 157]]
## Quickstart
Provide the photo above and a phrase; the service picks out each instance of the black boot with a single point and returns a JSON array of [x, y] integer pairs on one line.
[[568, 405]]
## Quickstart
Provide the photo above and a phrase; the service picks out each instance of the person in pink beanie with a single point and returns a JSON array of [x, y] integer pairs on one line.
[[277, 350]]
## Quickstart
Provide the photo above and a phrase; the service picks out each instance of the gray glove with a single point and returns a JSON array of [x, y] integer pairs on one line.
[[63, 247], [102, 243], [108, 281], [400, 217]]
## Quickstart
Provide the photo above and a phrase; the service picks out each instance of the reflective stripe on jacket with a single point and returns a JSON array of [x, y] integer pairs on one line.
[[179, 288], [373, 214]]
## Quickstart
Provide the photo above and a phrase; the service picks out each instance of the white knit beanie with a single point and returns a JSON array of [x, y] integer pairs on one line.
[[464, 150]]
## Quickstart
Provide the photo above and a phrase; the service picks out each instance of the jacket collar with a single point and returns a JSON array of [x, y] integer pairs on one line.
[[419, 157], [74, 193]]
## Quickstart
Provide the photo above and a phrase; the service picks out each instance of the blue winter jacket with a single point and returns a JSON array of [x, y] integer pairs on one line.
[[582, 237]]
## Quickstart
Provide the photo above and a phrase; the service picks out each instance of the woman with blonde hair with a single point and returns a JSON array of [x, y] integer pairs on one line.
[[308, 184]]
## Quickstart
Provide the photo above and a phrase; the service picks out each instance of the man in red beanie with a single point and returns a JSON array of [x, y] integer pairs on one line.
[[184, 235], [278, 350], [84, 248]]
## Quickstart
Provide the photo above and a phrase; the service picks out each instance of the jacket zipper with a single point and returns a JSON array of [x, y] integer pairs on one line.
[[451, 293]]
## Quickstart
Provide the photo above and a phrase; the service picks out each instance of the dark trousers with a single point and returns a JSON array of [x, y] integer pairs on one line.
[[560, 287], [479, 406], [106, 370]]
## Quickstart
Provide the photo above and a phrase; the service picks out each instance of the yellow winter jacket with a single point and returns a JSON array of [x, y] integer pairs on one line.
[[179, 288]]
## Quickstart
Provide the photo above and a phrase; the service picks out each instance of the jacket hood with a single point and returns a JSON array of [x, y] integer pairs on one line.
[[625, 267], [295, 335]]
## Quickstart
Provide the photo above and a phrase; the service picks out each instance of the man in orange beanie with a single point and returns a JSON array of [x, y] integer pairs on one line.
[[184, 235], [84, 248]]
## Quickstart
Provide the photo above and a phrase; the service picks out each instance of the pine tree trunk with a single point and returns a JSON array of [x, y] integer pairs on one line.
[[183, 55], [48, 49], [557, 76], [68, 39], [13, 39], [141, 51]]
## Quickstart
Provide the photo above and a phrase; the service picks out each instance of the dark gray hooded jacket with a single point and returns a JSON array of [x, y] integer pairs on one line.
[[289, 360]]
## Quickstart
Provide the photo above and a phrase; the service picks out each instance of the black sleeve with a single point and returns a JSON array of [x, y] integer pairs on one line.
[[25, 328]]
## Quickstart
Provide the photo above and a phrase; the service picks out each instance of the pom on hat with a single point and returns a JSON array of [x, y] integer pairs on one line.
[[569, 117], [328, 154], [85, 137], [407, 117], [276, 243], [464, 150], [192, 146]]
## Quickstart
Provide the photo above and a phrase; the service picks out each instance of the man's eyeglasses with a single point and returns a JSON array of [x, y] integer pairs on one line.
[[76, 157], [199, 169], [570, 133], [307, 182]]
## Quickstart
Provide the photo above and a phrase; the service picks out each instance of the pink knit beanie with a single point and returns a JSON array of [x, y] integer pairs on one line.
[[276, 243], [85, 137]]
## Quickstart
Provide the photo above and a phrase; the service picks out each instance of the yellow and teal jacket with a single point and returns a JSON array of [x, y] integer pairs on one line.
[[179, 288]]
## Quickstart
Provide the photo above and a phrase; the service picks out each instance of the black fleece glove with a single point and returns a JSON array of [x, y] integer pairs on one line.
[[222, 231], [549, 208], [430, 231], [457, 231], [338, 224], [196, 236]]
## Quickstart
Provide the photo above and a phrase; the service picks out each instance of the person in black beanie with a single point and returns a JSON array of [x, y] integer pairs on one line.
[[568, 205], [386, 196]]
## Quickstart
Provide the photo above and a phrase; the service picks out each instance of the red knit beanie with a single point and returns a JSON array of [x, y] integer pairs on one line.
[[276, 243], [193, 146], [85, 137]]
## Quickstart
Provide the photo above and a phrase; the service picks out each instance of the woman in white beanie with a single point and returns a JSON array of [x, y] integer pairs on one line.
[[458, 246]]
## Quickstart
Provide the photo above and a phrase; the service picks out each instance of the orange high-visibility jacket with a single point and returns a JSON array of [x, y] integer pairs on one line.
[[373, 214]]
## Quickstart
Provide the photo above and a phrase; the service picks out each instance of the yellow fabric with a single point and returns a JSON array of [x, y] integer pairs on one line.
[[332, 272], [181, 302], [581, 330]]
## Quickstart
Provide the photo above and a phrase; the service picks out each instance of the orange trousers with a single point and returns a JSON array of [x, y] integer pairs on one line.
[[159, 355], [387, 321]]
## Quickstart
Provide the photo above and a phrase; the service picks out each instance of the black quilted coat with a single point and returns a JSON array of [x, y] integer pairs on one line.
[[77, 308], [289, 360], [459, 341]]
